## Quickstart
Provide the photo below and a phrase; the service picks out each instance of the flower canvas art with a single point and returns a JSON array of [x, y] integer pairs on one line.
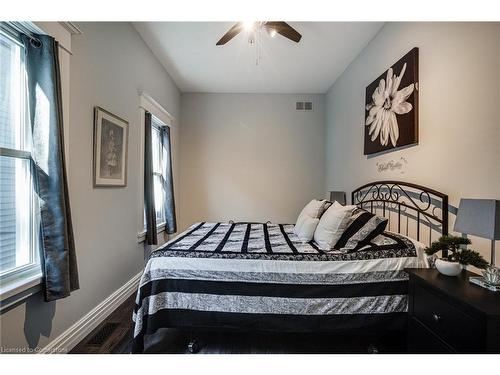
[[391, 107]]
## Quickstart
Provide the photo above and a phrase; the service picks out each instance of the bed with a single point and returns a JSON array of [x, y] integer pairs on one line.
[[260, 276]]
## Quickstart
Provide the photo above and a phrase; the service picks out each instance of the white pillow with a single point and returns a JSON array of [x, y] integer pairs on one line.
[[313, 209], [332, 224], [305, 227]]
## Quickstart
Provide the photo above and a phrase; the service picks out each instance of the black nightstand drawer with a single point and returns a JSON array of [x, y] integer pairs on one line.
[[423, 341], [453, 326]]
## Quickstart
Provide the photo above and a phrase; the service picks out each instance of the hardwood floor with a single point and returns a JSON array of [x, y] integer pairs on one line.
[[112, 335], [115, 334]]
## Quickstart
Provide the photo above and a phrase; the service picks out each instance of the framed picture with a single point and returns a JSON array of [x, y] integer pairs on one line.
[[391, 107], [110, 149]]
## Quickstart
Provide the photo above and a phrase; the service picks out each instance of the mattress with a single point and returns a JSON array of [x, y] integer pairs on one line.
[[260, 276]]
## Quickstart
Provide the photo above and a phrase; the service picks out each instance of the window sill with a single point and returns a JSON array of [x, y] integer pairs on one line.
[[141, 236], [15, 292]]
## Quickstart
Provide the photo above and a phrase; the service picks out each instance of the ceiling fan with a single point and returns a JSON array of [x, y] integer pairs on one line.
[[272, 27]]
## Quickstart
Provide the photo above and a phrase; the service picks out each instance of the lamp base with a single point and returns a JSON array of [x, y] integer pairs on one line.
[[493, 253]]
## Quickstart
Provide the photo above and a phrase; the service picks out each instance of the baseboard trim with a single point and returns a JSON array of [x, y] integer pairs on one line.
[[78, 331]]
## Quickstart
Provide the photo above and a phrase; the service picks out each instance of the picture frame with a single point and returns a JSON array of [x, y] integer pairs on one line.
[[391, 107], [110, 149]]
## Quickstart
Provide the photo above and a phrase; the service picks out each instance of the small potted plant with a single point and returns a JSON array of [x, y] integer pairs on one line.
[[454, 256]]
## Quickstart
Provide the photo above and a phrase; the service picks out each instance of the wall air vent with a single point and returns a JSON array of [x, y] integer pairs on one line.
[[304, 106]]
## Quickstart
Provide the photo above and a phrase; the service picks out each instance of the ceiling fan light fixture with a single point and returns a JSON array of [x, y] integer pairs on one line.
[[249, 25], [253, 27]]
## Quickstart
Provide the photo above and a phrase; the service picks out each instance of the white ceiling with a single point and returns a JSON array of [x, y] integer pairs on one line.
[[188, 52]]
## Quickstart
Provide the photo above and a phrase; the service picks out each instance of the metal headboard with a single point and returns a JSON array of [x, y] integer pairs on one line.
[[420, 204]]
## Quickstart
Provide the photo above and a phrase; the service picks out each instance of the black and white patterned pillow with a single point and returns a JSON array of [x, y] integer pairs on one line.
[[364, 227], [326, 206]]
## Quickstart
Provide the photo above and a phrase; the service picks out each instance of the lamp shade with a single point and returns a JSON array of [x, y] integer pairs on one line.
[[479, 217], [338, 196]]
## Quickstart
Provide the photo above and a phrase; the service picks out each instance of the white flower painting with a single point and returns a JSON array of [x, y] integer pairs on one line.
[[388, 100]]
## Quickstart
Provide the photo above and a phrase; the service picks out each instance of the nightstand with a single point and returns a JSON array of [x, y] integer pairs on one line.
[[450, 315]]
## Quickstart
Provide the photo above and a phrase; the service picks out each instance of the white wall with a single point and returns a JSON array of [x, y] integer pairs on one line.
[[459, 146], [110, 63], [249, 157]]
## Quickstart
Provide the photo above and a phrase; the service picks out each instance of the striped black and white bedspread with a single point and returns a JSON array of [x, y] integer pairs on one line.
[[260, 276]]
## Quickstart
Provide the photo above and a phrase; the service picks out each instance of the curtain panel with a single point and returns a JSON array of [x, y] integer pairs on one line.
[[49, 166], [149, 194]]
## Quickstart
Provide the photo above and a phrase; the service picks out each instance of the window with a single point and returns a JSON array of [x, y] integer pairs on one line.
[[158, 160], [19, 234], [161, 120]]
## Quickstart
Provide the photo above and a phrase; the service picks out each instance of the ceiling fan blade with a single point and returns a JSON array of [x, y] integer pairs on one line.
[[233, 31], [284, 29]]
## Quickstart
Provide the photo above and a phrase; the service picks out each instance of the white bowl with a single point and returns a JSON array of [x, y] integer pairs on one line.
[[448, 268]]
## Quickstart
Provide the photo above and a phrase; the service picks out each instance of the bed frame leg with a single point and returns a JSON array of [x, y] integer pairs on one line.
[[194, 345]]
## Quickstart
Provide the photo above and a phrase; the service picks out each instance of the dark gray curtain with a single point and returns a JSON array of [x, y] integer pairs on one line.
[[49, 167], [149, 194], [168, 184]]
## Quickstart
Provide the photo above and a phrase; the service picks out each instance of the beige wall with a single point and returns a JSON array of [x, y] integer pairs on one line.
[[110, 63], [249, 157], [459, 146]]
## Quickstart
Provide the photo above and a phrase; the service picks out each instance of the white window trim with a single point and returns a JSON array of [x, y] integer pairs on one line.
[[22, 287], [147, 103], [17, 291], [141, 236]]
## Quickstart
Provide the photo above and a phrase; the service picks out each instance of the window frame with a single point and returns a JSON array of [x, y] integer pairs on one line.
[[16, 289], [158, 127], [31, 271], [147, 103]]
